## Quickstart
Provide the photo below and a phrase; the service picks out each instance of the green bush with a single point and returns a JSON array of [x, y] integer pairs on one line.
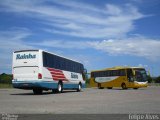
[[5, 78]]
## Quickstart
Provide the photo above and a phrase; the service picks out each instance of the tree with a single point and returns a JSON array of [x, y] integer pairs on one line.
[[149, 79], [157, 80], [5, 78]]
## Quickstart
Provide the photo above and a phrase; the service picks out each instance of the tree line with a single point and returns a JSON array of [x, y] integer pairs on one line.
[[153, 79]]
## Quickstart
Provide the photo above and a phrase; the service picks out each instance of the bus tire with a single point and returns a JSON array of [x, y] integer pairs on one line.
[[79, 87], [37, 91], [124, 86], [99, 86], [60, 87], [109, 87]]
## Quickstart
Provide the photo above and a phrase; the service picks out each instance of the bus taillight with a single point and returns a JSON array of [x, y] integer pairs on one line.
[[39, 76]]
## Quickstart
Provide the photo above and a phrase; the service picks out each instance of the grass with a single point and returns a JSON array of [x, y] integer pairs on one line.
[[3, 85]]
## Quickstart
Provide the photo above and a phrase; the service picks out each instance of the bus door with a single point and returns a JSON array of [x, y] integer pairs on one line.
[[130, 77]]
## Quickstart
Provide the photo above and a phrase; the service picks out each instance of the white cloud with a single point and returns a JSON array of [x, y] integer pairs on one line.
[[10, 41], [134, 46], [66, 44], [15, 39], [138, 46], [78, 19]]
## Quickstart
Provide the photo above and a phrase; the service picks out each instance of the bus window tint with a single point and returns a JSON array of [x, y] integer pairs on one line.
[[141, 75], [54, 61], [108, 73], [122, 73]]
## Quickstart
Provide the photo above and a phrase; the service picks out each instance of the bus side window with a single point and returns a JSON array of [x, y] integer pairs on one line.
[[107, 73], [122, 72]]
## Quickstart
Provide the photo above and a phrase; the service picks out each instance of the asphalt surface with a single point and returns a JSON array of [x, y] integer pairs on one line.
[[89, 101]]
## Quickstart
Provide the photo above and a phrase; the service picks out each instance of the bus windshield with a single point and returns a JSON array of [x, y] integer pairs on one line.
[[141, 75]]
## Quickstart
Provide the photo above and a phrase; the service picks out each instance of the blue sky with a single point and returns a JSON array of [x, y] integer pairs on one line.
[[98, 33]]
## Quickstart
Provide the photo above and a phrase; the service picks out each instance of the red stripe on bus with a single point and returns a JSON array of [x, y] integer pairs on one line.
[[57, 74], [54, 70]]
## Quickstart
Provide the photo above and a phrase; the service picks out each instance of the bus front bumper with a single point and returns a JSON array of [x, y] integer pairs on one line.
[[140, 85]]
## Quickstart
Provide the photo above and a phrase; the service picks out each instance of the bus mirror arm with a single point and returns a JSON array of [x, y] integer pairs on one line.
[[134, 73], [85, 71], [84, 74]]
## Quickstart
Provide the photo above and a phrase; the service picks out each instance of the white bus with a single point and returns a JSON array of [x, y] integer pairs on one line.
[[39, 70]]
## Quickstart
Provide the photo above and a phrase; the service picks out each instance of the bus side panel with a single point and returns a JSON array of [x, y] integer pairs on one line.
[[73, 80], [73, 77], [115, 83], [70, 79], [47, 75]]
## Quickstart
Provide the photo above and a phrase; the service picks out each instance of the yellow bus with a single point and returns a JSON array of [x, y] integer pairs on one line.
[[125, 77]]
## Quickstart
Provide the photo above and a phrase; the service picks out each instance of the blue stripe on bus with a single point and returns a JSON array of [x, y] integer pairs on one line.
[[43, 85], [70, 86]]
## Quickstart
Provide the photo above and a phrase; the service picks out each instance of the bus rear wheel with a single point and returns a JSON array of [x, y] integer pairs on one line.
[[135, 88], [124, 86], [60, 87], [99, 86], [37, 91]]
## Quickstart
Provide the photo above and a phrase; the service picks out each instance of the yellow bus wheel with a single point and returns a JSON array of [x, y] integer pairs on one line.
[[99, 86], [135, 88], [124, 86]]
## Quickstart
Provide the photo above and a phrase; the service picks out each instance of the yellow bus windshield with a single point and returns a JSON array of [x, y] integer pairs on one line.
[[140, 75]]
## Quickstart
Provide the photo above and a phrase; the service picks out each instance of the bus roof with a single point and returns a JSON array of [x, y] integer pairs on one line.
[[138, 67], [117, 68], [47, 52], [24, 51]]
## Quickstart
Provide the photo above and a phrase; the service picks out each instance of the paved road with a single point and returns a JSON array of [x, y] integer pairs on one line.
[[90, 101]]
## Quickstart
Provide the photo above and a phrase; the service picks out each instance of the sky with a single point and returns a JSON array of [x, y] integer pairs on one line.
[[98, 33]]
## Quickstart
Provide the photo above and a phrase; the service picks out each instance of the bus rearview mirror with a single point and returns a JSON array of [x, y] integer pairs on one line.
[[85, 71]]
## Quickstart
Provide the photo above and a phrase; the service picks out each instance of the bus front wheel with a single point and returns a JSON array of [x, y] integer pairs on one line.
[[124, 86], [79, 87], [109, 87]]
